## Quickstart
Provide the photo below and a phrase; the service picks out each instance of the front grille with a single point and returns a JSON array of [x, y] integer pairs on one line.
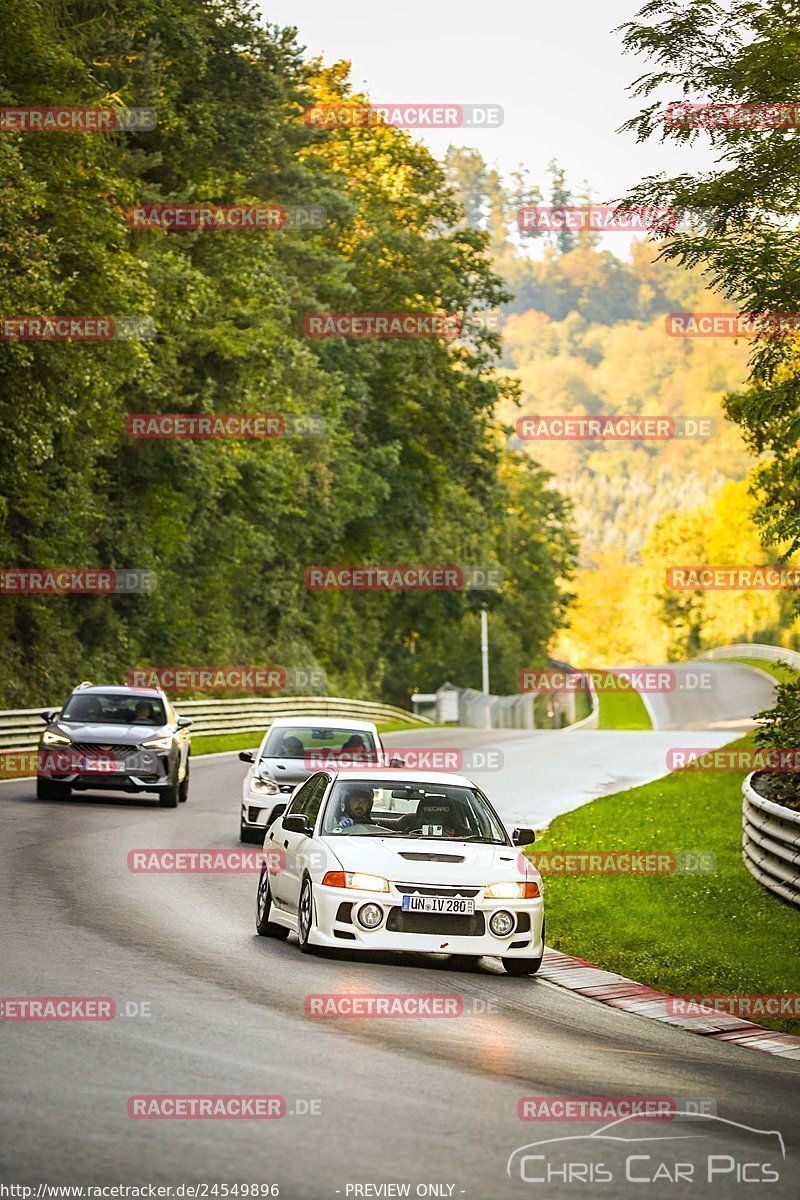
[[96, 749], [409, 889], [454, 924]]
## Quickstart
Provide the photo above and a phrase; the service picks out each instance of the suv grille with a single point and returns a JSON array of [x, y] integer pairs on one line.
[[119, 751]]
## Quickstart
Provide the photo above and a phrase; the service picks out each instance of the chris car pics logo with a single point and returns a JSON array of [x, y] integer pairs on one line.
[[693, 1148]]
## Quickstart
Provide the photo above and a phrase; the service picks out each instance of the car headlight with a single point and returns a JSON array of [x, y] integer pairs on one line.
[[263, 783], [523, 890], [162, 743], [357, 880], [55, 739]]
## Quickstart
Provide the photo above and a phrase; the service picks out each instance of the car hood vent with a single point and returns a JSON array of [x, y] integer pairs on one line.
[[431, 857]]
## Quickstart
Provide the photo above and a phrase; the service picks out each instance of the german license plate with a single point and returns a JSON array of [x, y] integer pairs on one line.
[[103, 765], [439, 904]]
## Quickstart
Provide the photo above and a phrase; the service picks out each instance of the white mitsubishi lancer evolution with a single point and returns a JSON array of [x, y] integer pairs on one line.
[[392, 860]]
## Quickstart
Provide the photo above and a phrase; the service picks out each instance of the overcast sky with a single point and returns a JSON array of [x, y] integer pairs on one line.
[[556, 67]]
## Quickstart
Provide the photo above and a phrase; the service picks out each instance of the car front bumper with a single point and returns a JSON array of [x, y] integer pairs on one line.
[[257, 807], [151, 771], [425, 933]]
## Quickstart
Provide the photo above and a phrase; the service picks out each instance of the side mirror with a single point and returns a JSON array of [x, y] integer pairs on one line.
[[47, 717], [396, 762], [523, 836], [184, 722], [247, 756], [296, 823]]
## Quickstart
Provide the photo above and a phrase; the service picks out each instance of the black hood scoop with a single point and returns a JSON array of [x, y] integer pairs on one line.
[[430, 857]]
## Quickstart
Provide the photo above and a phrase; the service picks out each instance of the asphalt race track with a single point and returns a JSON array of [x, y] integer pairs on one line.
[[371, 1101]]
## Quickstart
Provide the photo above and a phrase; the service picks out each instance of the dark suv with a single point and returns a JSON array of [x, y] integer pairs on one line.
[[115, 739]]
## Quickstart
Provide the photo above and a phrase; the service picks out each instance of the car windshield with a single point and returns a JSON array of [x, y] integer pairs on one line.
[[114, 708], [364, 808], [321, 746]]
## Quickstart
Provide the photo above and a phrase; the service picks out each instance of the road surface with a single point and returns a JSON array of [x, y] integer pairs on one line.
[[413, 1102]]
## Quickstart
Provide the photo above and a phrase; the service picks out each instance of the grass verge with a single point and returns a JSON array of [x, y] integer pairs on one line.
[[720, 933], [778, 671], [622, 710]]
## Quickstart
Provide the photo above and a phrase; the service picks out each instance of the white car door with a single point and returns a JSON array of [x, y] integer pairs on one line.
[[295, 846]]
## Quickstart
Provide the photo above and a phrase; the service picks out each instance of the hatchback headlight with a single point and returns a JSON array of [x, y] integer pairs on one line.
[[162, 743], [55, 739], [264, 783], [523, 890]]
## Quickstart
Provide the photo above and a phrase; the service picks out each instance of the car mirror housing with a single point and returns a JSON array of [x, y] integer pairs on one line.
[[296, 823], [47, 717], [523, 836], [247, 756], [184, 722]]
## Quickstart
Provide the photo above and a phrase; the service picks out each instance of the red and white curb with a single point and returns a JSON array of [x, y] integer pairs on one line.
[[619, 992]]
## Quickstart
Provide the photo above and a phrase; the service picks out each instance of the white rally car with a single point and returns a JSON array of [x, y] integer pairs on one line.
[[396, 860]]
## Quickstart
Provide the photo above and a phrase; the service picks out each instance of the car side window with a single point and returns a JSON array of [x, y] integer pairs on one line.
[[314, 801], [302, 795]]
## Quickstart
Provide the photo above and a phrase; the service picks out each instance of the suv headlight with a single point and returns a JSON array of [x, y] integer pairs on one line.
[[55, 739], [264, 783], [526, 890], [162, 743]]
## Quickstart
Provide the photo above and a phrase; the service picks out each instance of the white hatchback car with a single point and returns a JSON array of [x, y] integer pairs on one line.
[[398, 860], [294, 748]]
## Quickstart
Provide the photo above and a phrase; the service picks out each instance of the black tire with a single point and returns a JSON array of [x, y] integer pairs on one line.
[[254, 836], [183, 786], [168, 797], [265, 927], [51, 789], [305, 917], [521, 966]]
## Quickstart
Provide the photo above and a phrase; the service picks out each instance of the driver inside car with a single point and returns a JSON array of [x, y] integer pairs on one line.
[[356, 811]]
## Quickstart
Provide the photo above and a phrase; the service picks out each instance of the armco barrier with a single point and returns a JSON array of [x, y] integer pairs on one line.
[[755, 650], [20, 729], [771, 843]]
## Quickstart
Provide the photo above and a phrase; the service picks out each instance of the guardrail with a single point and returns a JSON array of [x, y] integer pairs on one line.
[[20, 729], [553, 710], [771, 843], [755, 650]]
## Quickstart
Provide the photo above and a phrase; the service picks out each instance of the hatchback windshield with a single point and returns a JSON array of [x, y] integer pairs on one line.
[[114, 708], [379, 809], [321, 746]]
